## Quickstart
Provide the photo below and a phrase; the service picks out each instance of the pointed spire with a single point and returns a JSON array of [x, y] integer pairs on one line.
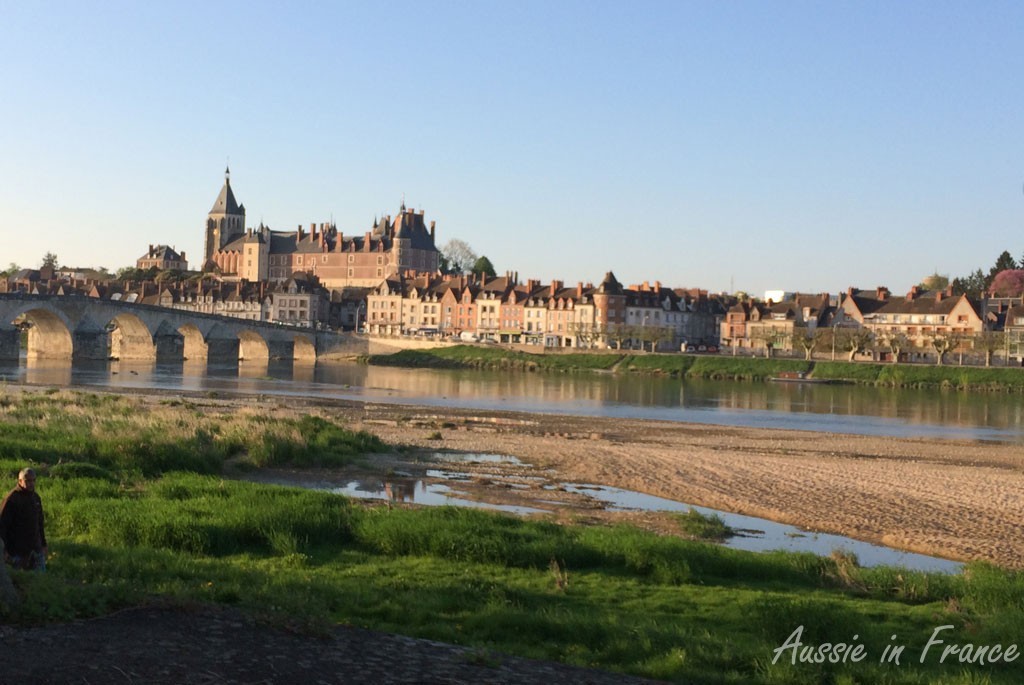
[[225, 202]]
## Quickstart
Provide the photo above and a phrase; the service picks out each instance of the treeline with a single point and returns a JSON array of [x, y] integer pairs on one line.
[[1005, 278]]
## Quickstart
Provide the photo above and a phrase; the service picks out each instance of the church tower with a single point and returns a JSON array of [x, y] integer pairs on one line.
[[226, 220]]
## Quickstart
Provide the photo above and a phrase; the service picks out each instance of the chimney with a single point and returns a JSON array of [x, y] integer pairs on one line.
[[366, 242], [298, 233], [657, 286], [431, 230], [912, 294], [151, 250], [939, 294], [881, 293], [183, 255], [579, 290]]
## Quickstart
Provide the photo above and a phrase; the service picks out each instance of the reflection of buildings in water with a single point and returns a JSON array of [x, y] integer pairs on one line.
[[401, 489]]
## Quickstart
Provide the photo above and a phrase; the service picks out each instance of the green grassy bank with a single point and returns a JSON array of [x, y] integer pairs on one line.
[[715, 367], [134, 515]]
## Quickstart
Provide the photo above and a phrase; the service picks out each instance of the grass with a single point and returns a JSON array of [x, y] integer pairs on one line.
[[703, 527], [125, 436], [472, 357], [615, 597]]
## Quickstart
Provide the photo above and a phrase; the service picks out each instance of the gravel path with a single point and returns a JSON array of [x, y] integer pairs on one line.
[[212, 645]]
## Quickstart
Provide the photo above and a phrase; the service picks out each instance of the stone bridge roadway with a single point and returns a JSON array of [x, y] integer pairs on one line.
[[77, 327]]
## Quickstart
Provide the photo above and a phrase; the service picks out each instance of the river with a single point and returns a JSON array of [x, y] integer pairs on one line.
[[946, 414]]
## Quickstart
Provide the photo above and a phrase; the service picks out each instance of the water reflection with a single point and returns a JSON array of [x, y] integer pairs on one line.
[[762, 535], [831, 408], [395, 489]]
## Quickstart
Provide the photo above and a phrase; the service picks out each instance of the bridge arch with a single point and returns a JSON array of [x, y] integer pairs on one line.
[[304, 350], [49, 333], [252, 347], [130, 338], [194, 347]]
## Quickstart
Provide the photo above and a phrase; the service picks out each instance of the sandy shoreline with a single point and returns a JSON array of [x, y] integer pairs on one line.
[[959, 500], [955, 499]]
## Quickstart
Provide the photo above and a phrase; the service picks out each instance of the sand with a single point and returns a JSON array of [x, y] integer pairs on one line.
[[955, 499]]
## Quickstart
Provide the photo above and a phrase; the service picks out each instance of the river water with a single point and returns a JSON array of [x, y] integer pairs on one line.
[[947, 414]]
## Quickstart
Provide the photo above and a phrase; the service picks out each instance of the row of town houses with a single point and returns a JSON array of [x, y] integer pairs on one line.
[[553, 314], [505, 310]]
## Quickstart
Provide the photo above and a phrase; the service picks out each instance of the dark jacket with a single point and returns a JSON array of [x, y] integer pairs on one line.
[[21, 522]]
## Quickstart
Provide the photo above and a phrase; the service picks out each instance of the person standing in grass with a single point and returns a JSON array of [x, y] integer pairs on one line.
[[21, 525]]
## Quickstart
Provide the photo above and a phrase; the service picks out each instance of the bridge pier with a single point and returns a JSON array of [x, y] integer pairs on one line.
[[281, 349], [169, 347], [10, 343], [90, 344], [221, 350]]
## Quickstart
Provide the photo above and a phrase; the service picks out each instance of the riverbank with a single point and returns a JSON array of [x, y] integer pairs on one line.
[[961, 500], [715, 367]]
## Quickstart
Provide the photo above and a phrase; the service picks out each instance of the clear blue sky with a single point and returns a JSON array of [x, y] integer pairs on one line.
[[748, 145]]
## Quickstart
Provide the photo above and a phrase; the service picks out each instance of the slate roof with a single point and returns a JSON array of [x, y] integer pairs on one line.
[[225, 202], [163, 253]]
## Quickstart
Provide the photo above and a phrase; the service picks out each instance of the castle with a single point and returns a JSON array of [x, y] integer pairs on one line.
[[391, 247]]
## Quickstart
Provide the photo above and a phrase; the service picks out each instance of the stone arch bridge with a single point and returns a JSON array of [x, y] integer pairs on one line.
[[84, 328]]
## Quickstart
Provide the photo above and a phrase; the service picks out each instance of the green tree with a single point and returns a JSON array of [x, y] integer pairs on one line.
[[972, 285], [11, 269], [442, 264], [483, 266], [1003, 263], [50, 261]]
